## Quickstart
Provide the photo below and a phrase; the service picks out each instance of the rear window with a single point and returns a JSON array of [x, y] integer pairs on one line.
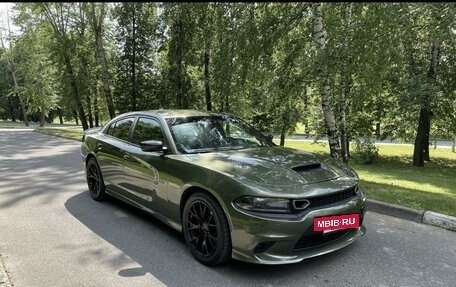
[[121, 129]]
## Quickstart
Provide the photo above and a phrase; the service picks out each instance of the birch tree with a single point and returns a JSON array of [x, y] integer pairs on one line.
[[322, 72], [97, 14]]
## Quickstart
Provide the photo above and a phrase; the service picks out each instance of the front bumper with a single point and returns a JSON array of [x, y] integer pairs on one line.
[[291, 240]]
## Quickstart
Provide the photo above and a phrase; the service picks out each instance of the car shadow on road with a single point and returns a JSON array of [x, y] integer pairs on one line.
[[161, 251], [35, 166]]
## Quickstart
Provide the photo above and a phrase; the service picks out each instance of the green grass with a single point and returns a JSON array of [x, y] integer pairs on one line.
[[393, 179], [69, 133]]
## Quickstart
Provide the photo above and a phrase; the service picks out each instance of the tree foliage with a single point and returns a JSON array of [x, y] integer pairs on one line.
[[337, 69]]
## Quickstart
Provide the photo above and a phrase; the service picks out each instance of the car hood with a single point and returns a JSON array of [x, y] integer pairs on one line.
[[274, 166]]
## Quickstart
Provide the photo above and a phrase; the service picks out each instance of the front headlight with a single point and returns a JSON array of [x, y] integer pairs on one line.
[[263, 204]]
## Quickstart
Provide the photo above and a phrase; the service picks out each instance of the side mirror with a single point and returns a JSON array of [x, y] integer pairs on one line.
[[151, 146]]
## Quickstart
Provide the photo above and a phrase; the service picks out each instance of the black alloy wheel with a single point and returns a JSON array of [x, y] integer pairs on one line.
[[95, 180], [206, 230]]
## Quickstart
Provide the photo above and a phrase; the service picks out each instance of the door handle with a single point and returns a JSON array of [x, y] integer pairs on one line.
[[126, 157], [100, 146]]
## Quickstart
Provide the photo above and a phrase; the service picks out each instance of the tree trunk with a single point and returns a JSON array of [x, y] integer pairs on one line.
[[284, 127], [453, 147], [227, 103], [75, 92], [11, 109], [343, 124], [282, 138], [333, 138], [133, 68], [60, 116], [97, 110], [421, 150], [89, 110], [97, 26], [75, 116], [426, 146], [377, 130], [422, 137], [23, 108], [42, 117], [345, 86], [347, 144], [328, 115], [181, 97], [207, 88], [21, 98]]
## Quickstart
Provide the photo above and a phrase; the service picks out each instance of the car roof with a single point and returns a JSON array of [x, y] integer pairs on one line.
[[172, 113]]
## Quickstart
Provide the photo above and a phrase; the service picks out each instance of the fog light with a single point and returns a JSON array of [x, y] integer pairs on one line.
[[263, 246]]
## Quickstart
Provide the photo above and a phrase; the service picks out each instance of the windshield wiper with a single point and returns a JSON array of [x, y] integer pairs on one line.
[[182, 149], [223, 148], [201, 150]]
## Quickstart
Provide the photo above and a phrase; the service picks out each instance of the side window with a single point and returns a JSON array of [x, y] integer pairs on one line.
[[110, 129], [234, 131], [122, 129], [147, 129]]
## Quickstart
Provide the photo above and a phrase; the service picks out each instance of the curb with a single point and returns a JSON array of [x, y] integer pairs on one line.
[[421, 216], [440, 220], [4, 280]]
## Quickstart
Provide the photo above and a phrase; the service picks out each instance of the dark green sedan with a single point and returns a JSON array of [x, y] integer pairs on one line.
[[231, 191]]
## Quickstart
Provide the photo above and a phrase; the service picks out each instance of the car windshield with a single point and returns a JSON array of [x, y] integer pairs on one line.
[[214, 133]]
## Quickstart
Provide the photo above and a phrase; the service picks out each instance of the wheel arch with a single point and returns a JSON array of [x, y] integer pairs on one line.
[[192, 189], [88, 157]]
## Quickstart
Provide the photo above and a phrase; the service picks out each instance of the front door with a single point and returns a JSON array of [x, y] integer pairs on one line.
[[145, 172]]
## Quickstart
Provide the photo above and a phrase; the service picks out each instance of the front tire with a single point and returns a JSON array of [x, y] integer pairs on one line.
[[206, 230], [95, 180]]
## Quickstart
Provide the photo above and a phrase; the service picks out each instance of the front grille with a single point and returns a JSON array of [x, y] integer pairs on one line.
[[318, 239], [332, 198]]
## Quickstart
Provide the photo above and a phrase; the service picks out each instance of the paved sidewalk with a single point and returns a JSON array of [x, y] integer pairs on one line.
[[4, 280]]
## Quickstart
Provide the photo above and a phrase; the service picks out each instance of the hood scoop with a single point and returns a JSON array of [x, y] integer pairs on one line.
[[315, 172], [306, 168]]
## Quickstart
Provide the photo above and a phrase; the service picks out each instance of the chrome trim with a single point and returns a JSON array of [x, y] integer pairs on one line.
[[306, 204]]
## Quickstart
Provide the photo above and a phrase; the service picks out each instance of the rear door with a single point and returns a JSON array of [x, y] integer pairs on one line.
[[111, 153]]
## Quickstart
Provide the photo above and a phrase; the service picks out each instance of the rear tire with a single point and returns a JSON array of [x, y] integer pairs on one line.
[[95, 180], [206, 230]]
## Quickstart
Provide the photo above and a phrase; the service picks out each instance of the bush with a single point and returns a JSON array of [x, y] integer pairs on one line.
[[366, 151]]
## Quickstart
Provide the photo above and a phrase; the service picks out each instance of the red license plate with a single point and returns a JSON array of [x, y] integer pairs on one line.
[[330, 223]]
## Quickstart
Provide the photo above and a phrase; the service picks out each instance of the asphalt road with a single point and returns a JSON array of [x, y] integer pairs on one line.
[[53, 234]]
